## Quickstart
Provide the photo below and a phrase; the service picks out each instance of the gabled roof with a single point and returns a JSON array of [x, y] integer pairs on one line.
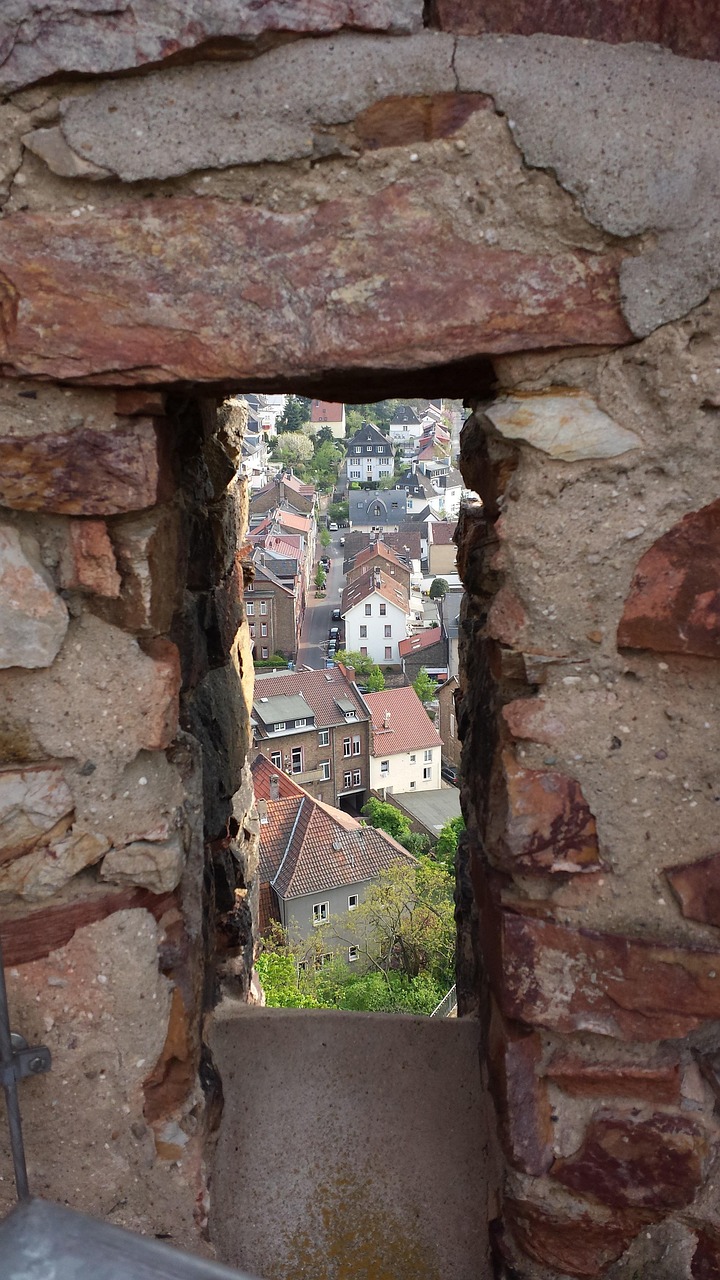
[[369, 434], [289, 547], [406, 543], [326, 411], [309, 847], [380, 549], [275, 707], [400, 723], [423, 640], [404, 414], [322, 691], [375, 582], [292, 482], [441, 534], [264, 574], [291, 520]]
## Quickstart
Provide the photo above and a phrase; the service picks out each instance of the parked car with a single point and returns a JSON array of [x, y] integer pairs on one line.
[[332, 527], [449, 773], [333, 633], [342, 542], [336, 615]]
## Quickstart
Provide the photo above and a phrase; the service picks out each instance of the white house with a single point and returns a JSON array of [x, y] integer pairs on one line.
[[375, 609], [370, 455], [406, 747]]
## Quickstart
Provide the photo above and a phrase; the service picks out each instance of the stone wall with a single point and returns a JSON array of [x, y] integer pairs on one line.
[[512, 203]]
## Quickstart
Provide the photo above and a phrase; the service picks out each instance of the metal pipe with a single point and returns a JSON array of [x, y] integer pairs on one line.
[[9, 1084]]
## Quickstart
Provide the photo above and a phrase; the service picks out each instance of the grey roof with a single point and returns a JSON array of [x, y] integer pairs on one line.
[[345, 705], [282, 707], [431, 808]]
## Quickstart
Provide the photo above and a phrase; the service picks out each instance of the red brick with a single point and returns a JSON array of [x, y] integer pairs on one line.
[[520, 1095], [529, 719], [35, 934], [658, 1082], [164, 709], [549, 826], [577, 1245], [697, 888], [506, 619], [89, 560], [673, 605], [629, 1162]]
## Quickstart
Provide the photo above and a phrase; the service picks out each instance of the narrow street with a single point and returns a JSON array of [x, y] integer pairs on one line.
[[318, 613]]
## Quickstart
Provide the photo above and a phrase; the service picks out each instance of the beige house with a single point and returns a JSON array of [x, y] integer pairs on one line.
[[442, 552]]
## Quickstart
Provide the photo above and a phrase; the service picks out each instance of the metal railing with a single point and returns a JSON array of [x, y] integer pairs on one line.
[[447, 1006]]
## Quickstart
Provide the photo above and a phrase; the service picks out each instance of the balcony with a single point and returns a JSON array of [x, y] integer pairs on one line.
[[309, 775]]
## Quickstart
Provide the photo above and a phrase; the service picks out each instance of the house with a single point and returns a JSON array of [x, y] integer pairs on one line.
[[448, 696], [429, 650], [316, 726], [419, 491], [405, 427], [406, 746], [450, 618], [375, 609], [406, 543], [272, 611], [285, 490], [282, 529], [328, 413], [376, 508], [378, 555], [315, 861], [442, 552], [450, 488], [370, 455]]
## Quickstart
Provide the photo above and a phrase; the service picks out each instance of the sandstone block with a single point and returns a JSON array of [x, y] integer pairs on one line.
[[627, 1161], [32, 935], [147, 548], [575, 1244], [83, 472], [33, 618], [520, 1096], [530, 719], [567, 980], [673, 605], [173, 1076], [506, 618], [565, 425], [142, 403], [385, 281], [655, 1082], [88, 563], [697, 888], [42, 872], [397, 121], [154, 866], [35, 805], [549, 825]]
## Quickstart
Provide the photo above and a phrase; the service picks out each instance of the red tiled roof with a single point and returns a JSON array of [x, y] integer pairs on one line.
[[320, 690], [422, 640], [374, 582], [409, 725], [308, 847], [378, 549], [442, 533], [326, 411], [301, 524], [290, 546]]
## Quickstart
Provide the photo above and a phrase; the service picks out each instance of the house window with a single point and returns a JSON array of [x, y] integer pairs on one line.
[[368, 610], [276, 759], [381, 448], [324, 770], [263, 628], [452, 725], [427, 772], [388, 632], [297, 759], [412, 759], [250, 587], [279, 726], [265, 653], [363, 650], [321, 961], [428, 756], [383, 610], [356, 746], [249, 608], [263, 606], [412, 786], [358, 448], [363, 633], [324, 738], [300, 724], [352, 901], [388, 651], [357, 778], [321, 912], [394, 506], [252, 630], [347, 750], [353, 954], [347, 780], [384, 766]]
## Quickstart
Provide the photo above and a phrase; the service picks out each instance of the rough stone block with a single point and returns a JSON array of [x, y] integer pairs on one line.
[[520, 1096], [566, 425], [654, 1082], [32, 935], [627, 1161], [530, 719], [549, 826], [574, 1243], [341, 300], [45, 870], [147, 548], [398, 121], [36, 805], [579, 980], [82, 472], [154, 866], [706, 1259], [696, 886], [33, 618], [173, 1076], [141, 403], [673, 605], [88, 563]]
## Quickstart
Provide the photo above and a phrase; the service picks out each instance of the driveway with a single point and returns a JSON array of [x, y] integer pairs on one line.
[[317, 620]]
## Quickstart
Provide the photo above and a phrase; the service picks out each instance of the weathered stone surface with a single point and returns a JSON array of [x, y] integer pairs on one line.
[[148, 550], [577, 1245], [83, 472], [43, 38], [88, 563], [506, 618], [520, 1096], [549, 825], [578, 980], [398, 121], [154, 866], [104, 698], [171, 122], [706, 1259], [673, 605], [567, 425], [627, 180], [41, 873], [331, 287], [688, 27], [142, 403], [33, 618], [35, 934], [629, 1162], [696, 886], [656, 1082], [36, 805], [173, 1076], [531, 719]]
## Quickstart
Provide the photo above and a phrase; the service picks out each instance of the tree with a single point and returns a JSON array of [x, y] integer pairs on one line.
[[278, 974], [447, 841], [387, 818], [338, 512], [324, 536], [438, 588], [295, 414], [424, 686], [325, 463], [320, 577], [293, 449], [324, 436], [367, 671]]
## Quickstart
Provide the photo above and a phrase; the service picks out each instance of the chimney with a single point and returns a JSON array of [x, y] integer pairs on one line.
[[274, 787]]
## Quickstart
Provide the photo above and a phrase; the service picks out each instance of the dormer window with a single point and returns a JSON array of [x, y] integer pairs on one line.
[[279, 726]]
